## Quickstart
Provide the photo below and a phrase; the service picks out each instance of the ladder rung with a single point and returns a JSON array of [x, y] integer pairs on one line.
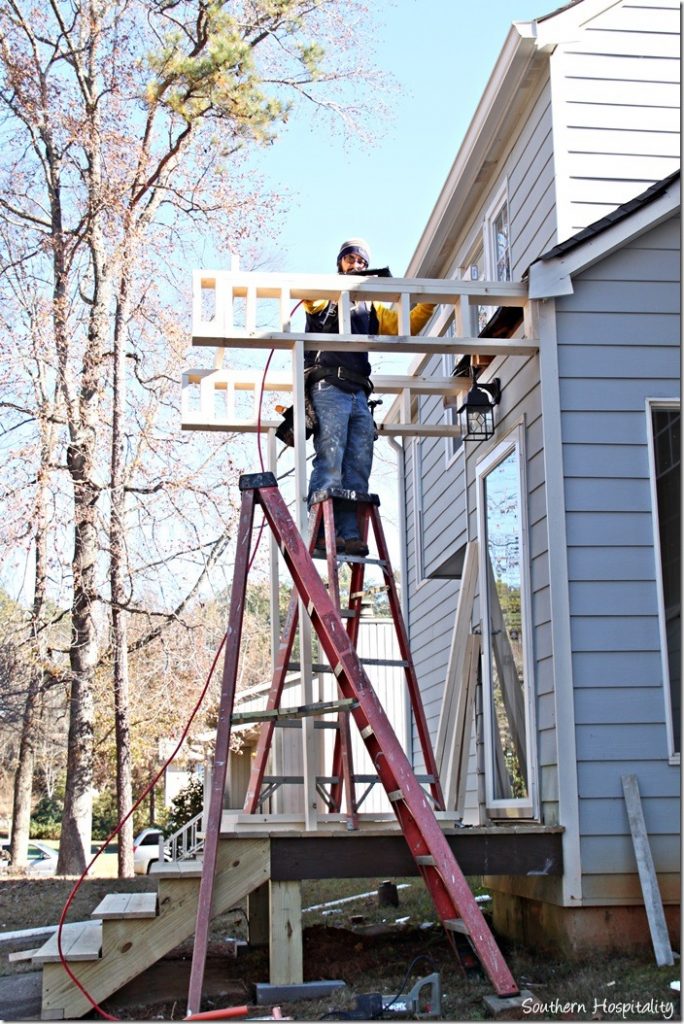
[[387, 662], [298, 780], [366, 732], [425, 860], [364, 559], [372, 590], [295, 666], [324, 707], [456, 924], [395, 796]]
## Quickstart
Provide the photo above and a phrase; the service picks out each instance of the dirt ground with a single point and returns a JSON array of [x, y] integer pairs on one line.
[[360, 944]]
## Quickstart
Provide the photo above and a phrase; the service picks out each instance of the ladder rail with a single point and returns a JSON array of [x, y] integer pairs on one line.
[[218, 779]]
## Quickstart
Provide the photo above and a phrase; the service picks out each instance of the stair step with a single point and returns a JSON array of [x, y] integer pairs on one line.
[[456, 924], [119, 905], [81, 940], [177, 869]]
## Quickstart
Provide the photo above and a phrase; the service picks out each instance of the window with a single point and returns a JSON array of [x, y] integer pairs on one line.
[[510, 769], [497, 238], [665, 431]]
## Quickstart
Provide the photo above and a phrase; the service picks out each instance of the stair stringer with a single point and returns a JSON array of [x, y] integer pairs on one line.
[[129, 947]]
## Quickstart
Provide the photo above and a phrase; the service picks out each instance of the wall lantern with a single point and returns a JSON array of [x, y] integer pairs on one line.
[[476, 415]]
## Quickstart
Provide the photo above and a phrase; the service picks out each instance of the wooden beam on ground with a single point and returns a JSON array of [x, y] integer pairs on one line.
[[647, 873]]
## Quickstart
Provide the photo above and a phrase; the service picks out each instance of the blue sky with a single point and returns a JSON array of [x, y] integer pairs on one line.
[[440, 54]]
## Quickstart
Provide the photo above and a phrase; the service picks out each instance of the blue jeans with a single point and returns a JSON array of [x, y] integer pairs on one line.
[[343, 443]]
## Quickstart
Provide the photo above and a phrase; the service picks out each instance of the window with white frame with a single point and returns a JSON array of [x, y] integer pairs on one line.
[[666, 477], [507, 672], [497, 245]]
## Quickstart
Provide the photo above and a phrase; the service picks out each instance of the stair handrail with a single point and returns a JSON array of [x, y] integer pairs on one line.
[[183, 844]]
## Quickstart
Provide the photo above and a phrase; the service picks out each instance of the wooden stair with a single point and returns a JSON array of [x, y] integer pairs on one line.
[[131, 931]]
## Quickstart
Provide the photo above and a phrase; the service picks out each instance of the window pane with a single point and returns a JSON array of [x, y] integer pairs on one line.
[[504, 596], [501, 248], [667, 442]]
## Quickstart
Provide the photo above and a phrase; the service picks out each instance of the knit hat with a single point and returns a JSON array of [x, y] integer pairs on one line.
[[357, 245]]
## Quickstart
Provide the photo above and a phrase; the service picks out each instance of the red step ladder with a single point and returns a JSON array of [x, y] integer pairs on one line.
[[455, 904], [342, 776]]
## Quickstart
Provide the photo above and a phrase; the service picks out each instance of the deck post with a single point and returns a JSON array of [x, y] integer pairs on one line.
[[287, 957]]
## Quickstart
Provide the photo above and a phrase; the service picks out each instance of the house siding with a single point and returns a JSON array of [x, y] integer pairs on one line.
[[618, 345], [527, 168], [616, 109]]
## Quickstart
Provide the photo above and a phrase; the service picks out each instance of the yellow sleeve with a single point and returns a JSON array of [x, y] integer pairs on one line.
[[388, 319], [314, 305]]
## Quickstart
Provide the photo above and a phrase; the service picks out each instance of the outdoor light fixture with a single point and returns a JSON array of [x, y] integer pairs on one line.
[[476, 415]]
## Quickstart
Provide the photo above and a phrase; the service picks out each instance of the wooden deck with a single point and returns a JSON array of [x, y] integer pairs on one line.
[[378, 847]]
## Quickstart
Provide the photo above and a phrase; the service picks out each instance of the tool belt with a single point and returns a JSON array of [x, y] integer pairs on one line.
[[331, 373]]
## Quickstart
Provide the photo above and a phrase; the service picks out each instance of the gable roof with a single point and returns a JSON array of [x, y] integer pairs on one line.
[[551, 273], [614, 217]]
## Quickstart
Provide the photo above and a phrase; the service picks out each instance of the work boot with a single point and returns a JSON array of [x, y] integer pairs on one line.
[[320, 548], [355, 546]]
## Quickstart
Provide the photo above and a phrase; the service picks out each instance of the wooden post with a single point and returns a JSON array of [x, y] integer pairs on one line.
[[647, 874], [287, 961], [309, 761]]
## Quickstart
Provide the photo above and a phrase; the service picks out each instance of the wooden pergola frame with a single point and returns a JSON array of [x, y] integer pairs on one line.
[[228, 307]]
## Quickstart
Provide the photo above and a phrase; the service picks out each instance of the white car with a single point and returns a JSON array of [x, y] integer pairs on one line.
[[42, 859], [146, 850]]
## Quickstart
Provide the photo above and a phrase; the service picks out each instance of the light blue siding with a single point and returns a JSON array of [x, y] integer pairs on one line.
[[618, 345]]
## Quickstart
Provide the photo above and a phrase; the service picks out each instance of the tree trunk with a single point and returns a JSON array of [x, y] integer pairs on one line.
[[23, 779]]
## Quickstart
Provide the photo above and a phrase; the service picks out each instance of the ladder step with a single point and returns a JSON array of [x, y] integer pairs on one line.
[[456, 924], [323, 707], [395, 796], [362, 559], [425, 860]]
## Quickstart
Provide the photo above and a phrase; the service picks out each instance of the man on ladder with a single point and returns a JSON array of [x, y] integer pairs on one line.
[[338, 386]]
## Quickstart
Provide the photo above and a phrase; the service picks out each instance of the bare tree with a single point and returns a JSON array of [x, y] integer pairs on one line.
[[109, 155]]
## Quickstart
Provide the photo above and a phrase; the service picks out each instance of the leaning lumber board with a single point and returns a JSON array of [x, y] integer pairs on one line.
[[647, 874]]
